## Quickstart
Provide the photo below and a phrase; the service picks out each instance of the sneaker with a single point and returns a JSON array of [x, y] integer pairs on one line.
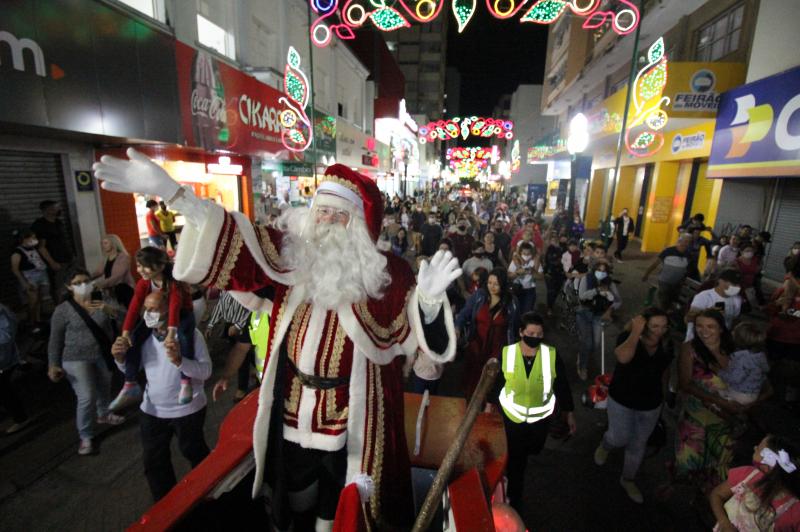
[[600, 455], [632, 490], [583, 374], [86, 447], [111, 419], [16, 427], [129, 395], [186, 393]]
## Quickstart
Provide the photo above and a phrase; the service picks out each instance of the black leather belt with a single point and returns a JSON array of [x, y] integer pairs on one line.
[[320, 383]]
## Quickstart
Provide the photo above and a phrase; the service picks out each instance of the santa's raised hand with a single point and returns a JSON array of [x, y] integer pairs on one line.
[[142, 175], [435, 276]]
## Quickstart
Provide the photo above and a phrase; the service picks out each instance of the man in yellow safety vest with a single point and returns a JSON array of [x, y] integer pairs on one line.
[[532, 380], [253, 338]]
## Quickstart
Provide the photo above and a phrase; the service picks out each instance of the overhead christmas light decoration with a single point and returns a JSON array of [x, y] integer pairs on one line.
[[391, 15], [461, 156], [297, 132], [475, 126], [515, 158], [647, 99], [545, 151]]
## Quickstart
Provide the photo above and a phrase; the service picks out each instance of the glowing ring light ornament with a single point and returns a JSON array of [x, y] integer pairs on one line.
[[321, 8], [432, 10], [514, 7], [321, 42], [590, 6], [624, 30], [348, 15]]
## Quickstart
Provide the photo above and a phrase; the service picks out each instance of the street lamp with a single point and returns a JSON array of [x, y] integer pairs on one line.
[[577, 142]]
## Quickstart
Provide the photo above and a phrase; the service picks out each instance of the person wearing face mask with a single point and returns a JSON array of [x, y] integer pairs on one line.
[[80, 336], [792, 257], [161, 416], [726, 258], [525, 265], [531, 383], [598, 297], [462, 240], [577, 229], [724, 297], [30, 269], [478, 259], [644, 353]]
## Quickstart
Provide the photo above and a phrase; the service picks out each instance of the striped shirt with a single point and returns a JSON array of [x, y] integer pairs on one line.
[[228, 310]]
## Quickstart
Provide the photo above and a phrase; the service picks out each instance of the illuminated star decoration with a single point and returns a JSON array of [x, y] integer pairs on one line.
[[296, 130], [646, 100], [475, 126], [391, 15]]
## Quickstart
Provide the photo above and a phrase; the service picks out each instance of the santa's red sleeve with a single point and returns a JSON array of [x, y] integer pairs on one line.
[[229, 253], [349, 512]]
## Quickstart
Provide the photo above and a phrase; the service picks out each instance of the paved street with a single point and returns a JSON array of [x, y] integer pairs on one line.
[[45, 485]]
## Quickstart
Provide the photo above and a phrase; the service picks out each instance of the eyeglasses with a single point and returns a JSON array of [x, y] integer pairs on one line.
[[336, 215]]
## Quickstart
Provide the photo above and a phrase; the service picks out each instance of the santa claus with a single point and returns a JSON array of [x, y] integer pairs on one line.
[[343, 314]]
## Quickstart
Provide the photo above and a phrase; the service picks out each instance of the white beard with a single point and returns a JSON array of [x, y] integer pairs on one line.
[[337, 265]]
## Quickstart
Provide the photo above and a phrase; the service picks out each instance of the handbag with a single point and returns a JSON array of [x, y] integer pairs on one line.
[[99, 335]]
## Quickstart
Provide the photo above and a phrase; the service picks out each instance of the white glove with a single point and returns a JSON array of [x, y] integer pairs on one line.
[[434, 277], [140, 174]]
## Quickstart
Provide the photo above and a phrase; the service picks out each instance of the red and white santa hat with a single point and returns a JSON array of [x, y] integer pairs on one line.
[[345, 183]]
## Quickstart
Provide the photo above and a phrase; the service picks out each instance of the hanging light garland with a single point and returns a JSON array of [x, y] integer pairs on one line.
[[297, 132], [647, 99], [392, 15], [475, 126]]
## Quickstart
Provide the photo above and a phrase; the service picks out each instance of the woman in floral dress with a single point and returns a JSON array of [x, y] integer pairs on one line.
[[704, 447]]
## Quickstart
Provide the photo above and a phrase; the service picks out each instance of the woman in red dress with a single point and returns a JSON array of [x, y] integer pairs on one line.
[[489, 321]]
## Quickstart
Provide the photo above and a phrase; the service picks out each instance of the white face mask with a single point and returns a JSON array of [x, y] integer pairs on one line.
[[733, 291], [82, 290], [31, 243], [747, 254], [796, 251], [526, 257], [152, 318]]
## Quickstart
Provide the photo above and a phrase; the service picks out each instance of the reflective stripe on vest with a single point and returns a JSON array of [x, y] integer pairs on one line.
[[259, 337], [537, 408]]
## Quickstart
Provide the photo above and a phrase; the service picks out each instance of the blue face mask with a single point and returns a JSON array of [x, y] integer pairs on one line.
[[600, 275]]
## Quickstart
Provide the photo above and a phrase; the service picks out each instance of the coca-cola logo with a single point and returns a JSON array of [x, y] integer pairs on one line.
[[258, 114], [213, 107]]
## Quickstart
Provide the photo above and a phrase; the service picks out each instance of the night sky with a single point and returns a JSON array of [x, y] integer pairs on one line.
[[493, 57]]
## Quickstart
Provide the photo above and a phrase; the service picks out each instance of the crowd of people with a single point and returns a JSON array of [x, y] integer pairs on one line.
[[741, 345]]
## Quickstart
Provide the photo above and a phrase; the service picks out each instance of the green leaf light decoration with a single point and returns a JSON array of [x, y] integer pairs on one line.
[[463, 11], [644, 140], [293, 58], [652, 83], [545, 11], [294, 87], [388, 19], [656, 51]]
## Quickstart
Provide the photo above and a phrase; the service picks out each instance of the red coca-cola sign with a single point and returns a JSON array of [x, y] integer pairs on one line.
[[224, 108]]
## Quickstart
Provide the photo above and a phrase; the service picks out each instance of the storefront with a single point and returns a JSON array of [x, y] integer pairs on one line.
[[357, 150], [62, 94], [663, 188], [400, 134], [755, 161]]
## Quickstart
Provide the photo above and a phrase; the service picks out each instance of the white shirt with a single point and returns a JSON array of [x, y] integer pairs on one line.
[[708, 299], [525, 280], [164, 379]]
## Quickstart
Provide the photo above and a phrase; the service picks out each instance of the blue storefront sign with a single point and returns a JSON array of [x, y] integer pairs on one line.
[[758, 129]]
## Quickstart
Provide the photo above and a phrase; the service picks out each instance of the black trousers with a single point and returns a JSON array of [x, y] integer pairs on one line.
[[9, 398], [523, 440], [622, 243], [156, 437]]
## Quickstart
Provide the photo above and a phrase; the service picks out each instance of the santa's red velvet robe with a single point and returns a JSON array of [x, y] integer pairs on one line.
[[360, 341]]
